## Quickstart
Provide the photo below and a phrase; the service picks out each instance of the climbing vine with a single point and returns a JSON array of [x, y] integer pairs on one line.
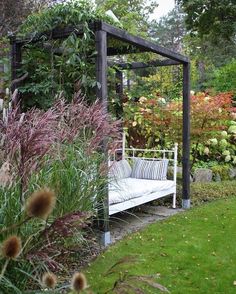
[[55, 66]]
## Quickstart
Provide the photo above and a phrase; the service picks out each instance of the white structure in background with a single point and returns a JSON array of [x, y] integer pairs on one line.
[[5, 110]]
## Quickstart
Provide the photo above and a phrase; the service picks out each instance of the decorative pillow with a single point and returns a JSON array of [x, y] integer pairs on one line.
[[120, 169], [150, 169]]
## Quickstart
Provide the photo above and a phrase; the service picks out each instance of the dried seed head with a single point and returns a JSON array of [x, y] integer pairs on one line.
[[78, 282], [41, 203], [11, 247], [49, 280]]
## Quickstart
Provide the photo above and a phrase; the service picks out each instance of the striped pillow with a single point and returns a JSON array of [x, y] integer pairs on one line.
[[150, 169], [120, 169]]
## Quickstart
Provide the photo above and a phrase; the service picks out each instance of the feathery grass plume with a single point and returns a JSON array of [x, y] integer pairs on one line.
[[79, 282], [26, 139], [41, 203], [11, 247], [49, 280]]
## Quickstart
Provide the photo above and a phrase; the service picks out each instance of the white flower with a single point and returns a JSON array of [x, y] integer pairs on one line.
[[234, 160], [134, 123], [232, 129], [227, 158], [162, 100], [206, 151], [214, 141], [226, 153], [192, 92], [223, 143], [142, 99], [224, 134], [233, 115]]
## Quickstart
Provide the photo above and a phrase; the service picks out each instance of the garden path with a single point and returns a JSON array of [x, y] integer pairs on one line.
[[128, 222]]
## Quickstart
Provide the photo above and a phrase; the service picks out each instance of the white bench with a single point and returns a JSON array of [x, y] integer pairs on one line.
[[128, 192]]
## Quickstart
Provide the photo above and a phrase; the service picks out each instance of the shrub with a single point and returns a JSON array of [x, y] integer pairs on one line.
[[206, 192], [158, 123], [222, 171]]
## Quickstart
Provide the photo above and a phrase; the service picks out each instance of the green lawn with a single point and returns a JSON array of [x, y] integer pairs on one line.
[[194, 252]]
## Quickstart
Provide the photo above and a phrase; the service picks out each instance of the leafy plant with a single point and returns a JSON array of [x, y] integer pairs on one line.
[[55, 66], [157, 123], [223, 79]]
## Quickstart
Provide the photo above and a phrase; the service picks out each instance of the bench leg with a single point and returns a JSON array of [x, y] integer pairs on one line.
[[174, 201]]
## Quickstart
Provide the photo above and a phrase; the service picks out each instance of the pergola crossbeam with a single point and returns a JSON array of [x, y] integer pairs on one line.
[[142, 43], [139, 65]]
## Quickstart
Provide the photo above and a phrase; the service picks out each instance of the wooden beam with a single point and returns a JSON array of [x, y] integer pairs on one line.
[[186, 136], [101, 76], [119, 82], [142, 43], [101, 66], [119, 92], [124, 50], [16, 57], [138, 65], [55, 34]]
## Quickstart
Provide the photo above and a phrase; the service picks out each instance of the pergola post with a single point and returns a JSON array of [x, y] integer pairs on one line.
[[186, 136], [101, 77], [119, 92], [16, 57]]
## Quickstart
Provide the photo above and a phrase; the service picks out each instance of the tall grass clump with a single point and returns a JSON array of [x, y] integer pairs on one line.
[[76, 177], [54, 152]]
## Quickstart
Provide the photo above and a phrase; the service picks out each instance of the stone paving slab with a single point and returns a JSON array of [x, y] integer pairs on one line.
[[161, 210], [127, 222]]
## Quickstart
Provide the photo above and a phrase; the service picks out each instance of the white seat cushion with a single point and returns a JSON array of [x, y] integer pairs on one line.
[[129, 188]]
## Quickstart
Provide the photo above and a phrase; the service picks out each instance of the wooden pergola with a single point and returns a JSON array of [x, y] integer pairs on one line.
[[133, 44]]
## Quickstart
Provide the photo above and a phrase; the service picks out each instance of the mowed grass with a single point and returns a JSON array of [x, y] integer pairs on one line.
[[194, 252]]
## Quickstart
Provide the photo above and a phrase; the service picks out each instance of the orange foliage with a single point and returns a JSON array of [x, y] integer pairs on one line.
[[151, 122]]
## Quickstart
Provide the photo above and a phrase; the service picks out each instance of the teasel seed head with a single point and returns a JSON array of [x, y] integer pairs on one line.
[[79, 282], [41, 203], [49, 280], [11, 247]]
